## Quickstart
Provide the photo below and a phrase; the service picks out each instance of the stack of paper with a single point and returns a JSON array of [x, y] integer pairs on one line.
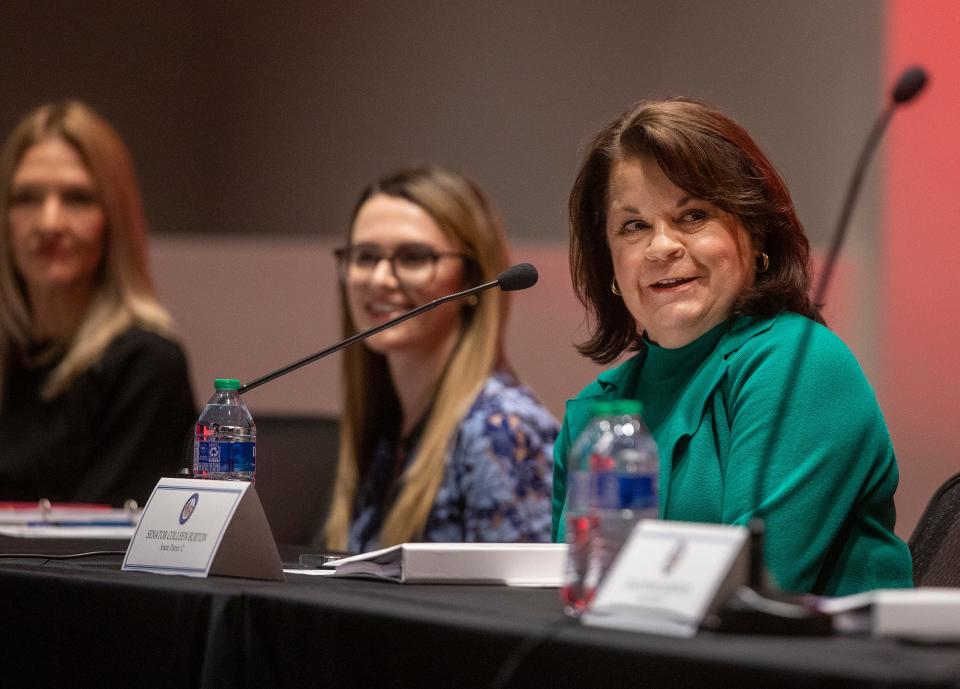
[[512, 564], [31, 520], [924, 614]]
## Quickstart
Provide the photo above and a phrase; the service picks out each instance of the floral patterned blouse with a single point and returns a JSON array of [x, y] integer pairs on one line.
[[498, 478]]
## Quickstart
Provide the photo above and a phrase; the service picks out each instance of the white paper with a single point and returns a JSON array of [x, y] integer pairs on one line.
[[924, 614], [856, 601], [121, 533], [65, 515], [312, 572]]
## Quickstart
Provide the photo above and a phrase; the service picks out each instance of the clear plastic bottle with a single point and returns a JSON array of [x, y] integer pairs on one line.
[[225, 441], [612, 472]]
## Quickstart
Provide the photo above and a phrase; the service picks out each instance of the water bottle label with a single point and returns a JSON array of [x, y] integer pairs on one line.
[[637, 493], [242, 455], [606, 491], [210, 457]]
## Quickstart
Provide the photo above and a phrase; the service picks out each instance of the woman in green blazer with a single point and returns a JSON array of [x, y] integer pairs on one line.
[[686, 249]]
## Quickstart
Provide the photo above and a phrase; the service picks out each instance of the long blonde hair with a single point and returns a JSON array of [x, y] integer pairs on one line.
[[370, 404], [123, 295]]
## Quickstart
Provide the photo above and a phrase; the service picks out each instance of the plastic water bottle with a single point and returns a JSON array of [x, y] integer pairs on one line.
[[225, 442], [612, 473]]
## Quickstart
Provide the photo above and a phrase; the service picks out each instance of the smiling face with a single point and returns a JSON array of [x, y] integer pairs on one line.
[[383, 225], [55, 219], [680, 262]]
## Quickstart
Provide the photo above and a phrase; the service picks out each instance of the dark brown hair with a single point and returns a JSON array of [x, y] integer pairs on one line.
[[710, 157]]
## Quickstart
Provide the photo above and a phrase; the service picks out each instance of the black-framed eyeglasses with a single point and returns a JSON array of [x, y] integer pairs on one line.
[[412, 264]]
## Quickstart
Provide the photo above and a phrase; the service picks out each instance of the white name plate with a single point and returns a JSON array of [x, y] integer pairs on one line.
[[669, 576], [196, 528]]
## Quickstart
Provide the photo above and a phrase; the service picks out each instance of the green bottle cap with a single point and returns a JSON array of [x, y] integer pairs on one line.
[[226, 384], [618, 408]]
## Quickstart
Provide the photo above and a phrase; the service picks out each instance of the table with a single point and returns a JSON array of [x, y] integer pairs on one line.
[[84, 623]]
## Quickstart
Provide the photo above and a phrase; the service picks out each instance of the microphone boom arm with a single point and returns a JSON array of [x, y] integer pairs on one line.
[[908, 85], [856, 181], [364, 335]]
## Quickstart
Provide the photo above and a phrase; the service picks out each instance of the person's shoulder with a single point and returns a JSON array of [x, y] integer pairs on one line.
[[783, 332], [502, 393], [138, 360], [137, 338], [140, 345], [788, 341]]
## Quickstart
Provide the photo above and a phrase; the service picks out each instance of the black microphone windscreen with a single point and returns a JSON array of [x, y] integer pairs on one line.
[[520, 276], [909, 84]]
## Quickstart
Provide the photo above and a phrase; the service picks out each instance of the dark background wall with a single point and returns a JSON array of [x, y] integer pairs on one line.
[[254, 126], [253, 118], [262, 122]]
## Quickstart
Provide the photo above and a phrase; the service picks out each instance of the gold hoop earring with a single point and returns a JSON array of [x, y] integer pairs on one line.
[[614, 288], [764, 263]]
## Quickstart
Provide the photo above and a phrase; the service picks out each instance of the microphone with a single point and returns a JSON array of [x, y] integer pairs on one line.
[[520, 276], [517, 277], [910, 83], [755, 608]]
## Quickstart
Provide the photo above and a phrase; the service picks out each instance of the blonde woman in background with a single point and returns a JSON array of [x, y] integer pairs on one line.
[[95, 395], [438, 440]]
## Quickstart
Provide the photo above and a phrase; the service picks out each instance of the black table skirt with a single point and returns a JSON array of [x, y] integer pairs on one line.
[[84, 623]]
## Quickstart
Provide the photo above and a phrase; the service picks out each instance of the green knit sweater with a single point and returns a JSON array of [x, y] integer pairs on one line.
[[773, 418]]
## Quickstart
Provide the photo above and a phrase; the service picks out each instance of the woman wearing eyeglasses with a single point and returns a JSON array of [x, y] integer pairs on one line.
[[438, 439]]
